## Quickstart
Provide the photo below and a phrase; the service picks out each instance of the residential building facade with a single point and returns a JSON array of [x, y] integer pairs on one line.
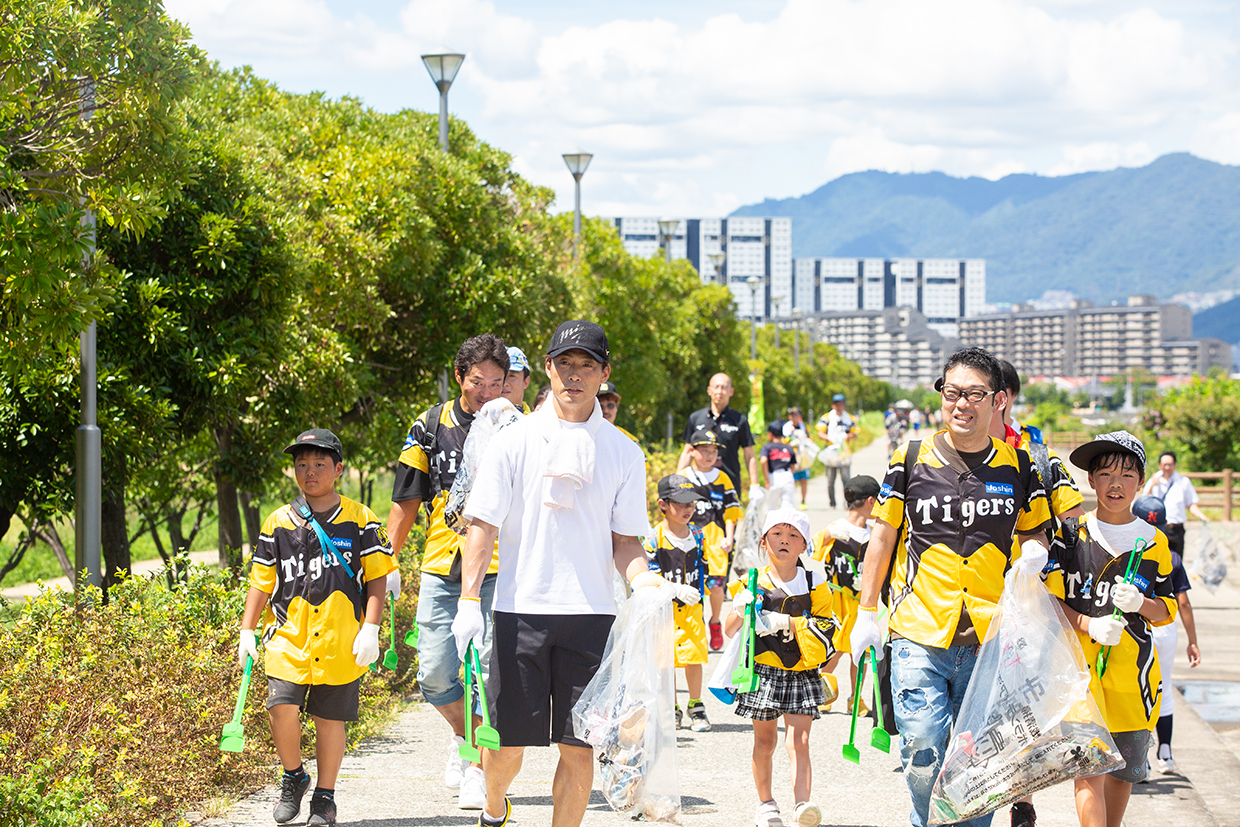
[[894, 344]]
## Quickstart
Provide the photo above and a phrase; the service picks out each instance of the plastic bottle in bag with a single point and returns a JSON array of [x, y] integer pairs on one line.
[[1027, 721], [627, 711], [495, 415]]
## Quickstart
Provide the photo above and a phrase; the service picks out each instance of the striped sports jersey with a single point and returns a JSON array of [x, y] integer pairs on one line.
[[1064, 494], [722, 504], [812, 640], [315, 610], [842, 558], [955, 535], [674, 563], [442, 555], [1081, 572]]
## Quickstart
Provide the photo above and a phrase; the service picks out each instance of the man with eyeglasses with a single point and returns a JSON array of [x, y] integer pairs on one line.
[[949, 514]]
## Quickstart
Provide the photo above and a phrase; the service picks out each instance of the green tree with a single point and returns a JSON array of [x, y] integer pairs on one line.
[[1200, 421]]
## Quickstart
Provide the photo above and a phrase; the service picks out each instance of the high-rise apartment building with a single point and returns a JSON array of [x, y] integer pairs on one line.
[[895, 344], [942, 290], [754, 246]]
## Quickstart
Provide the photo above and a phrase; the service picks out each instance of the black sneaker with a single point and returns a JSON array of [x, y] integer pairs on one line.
[[698, 722], [1023, 815], [291, 791], [680, 716], [322, 811]]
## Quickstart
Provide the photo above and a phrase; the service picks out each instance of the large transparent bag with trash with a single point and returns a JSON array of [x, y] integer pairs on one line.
[[492, 418], [627, 711], [749, 537], [1210, 565], [1027, 721]]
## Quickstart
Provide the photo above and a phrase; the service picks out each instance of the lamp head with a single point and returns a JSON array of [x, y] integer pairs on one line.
[[577, 163], [443, 68]]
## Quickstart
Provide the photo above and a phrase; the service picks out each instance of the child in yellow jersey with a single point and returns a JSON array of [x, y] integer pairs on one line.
[[717, 516], [676, 551], [841, 548], [796, 635], [1086, 571], [318, 579]]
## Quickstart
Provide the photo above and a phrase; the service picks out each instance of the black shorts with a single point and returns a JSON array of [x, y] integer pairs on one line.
[[332, 703], [539, 666]]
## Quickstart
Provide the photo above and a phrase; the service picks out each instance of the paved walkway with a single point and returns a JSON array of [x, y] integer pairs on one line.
[[396, 780]]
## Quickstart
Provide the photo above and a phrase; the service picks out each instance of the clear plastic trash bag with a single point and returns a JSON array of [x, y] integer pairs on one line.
[[749, 542], [627, 712], [494, 416], [1027, 721], [1209, 566]]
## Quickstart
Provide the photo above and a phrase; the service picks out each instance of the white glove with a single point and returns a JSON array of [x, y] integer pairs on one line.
[[1033, 557], [393, 584], [366, 644], [742, 600], [756, 493], [646, 579], [725, 545], [247, 645], [865, 634], [777, 622], [1126, 597], [839, 530], [688, 595], [467, 626], [1106, 630]]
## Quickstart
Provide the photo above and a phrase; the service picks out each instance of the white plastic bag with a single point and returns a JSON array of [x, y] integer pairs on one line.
[[1209, 566], [1027, 721], [495, 415], [749, 543], [721, 684], [627, 712]]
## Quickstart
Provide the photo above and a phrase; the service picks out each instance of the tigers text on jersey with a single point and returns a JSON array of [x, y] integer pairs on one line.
[[1081, 572], [722, 504], [315, 610], [413, 482], [955, 536], [812, 638], [679, 566]]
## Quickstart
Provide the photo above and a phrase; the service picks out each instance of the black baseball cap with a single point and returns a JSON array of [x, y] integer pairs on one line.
[[705, 437], [580, 335], [678, 489], [776, 428], [861, 487], [320, 438], [794, 410], [608, 389], [1115, 442], [1152, 510]]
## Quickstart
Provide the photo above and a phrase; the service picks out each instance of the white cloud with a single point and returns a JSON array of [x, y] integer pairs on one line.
[[728, 110]]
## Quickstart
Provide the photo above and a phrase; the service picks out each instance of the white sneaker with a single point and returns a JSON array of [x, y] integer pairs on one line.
[[473, 794], [1167, 765], [454, 769], [807, 814], [768, 815]]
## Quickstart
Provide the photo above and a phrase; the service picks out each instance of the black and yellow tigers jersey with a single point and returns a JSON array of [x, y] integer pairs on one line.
[[722, 504], [955, 535], [1081, 572], [315, 610], [686, 568], [811, 640], [414, 482]]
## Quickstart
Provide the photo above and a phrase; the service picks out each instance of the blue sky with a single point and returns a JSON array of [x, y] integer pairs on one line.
[[697, 107]]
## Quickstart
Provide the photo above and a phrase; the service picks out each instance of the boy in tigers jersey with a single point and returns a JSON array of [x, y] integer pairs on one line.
[[675, 551], [317, 581], [795, 636], [717, 514], [1087, 571], [841, 548]]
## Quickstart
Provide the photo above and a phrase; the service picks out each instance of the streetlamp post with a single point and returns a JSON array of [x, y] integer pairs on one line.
[[754, 283], [443, 69], [577, 162], [776, 301], [88, 506], [796, 338], [716, 260], [667, 230], [809, 352]]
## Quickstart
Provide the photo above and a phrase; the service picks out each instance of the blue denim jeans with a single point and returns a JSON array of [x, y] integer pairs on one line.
[[439, 668], [927, 687]]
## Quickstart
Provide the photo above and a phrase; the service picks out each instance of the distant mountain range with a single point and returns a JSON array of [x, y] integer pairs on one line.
[[1221, 321], [1172, 226]]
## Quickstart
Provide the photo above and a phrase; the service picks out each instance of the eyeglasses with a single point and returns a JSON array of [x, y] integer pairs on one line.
[[974, 395]]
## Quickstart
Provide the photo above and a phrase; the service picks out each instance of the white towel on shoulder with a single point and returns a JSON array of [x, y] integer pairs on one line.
[[568, 462]]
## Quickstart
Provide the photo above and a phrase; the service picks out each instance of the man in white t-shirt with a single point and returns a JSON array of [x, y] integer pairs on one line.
[[837, 428], [565, 493], [1178, 497]]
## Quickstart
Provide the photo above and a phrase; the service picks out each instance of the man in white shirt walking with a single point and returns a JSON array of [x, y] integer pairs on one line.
[[837, 428], [565, 493], [1178, 496]]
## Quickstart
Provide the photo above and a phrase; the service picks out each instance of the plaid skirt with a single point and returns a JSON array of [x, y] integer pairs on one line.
[[782, 691]]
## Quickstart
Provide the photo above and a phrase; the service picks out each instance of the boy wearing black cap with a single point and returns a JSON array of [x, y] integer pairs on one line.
[[779, 461], [676, 550], [320, 573], [717, 514], [1112, 561]]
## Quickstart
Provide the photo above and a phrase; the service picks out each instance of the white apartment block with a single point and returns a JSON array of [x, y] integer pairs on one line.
[[943, 290], [894, 344], [754, 246], [1083, 340]]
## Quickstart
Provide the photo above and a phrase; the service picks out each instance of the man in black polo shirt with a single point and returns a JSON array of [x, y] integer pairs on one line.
[[732, 428]]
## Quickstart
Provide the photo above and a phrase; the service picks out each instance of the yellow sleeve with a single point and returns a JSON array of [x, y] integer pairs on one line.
[[816, 634], [264, 560], [377, 560], [890, 508], [716, 559], [412, 453], [822, 542], [1161, 552]]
